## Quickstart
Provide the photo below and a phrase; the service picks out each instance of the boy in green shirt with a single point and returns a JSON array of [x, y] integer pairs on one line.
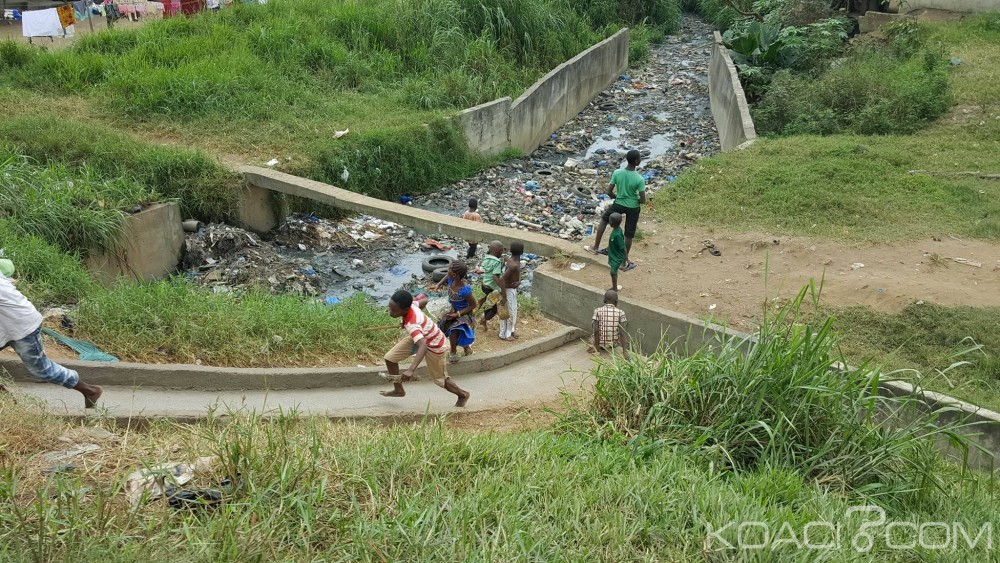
[[493, 283], [629, 190], [617, 250]]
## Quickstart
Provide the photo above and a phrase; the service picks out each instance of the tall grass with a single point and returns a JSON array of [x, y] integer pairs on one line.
[[321, 491], [204, 188], [46, 274], [75, 210], [778, 405], [173, 321], [389, 164], [871, 92], [956, 349]]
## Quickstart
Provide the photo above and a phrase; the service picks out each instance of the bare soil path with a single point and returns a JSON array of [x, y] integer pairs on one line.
[[677, 272]]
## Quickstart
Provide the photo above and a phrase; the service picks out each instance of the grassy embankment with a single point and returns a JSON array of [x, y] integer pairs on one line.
[[863, 189], [256, 82], [668, 450]]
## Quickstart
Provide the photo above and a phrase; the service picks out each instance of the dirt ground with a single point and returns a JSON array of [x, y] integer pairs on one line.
[[675, 271], [12, 30], [528, 328]]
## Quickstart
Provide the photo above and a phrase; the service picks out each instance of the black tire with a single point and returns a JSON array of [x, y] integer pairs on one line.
[[432, 263], [439, 274], [582, 191]]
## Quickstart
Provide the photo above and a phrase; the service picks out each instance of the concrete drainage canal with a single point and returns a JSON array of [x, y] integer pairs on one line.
[[329, 260]]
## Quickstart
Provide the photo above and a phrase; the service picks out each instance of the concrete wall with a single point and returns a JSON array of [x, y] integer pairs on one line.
[[954, 5], [257, 210], [729, 103], [485, 126], [573, 303], [563, 93], [424, 221], [153, 242], [550, 102]]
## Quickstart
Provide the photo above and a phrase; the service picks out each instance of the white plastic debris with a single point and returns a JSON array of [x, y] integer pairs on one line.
[[151, 482], [857, 266], [340, 134], [271, 162], [577, 266], [357, 263], [345, 175]]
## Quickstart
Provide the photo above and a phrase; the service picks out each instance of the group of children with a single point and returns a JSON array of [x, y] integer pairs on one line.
[[429, 341]]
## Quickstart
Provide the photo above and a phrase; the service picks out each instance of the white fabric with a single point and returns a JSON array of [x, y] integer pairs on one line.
[[507, 327], [18, 317], [41, 23]]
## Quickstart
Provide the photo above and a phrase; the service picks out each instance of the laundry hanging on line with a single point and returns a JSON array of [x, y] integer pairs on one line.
[[41, 23]]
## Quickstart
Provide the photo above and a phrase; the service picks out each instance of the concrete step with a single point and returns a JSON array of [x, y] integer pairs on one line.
[[536, 379]]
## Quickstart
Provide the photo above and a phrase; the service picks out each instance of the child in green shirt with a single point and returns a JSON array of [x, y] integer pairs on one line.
[[616, 248]]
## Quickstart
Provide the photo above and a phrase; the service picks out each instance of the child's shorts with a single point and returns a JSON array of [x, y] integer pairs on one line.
[[437, 366]]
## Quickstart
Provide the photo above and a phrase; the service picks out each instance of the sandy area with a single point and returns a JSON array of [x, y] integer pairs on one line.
[[676, 272]]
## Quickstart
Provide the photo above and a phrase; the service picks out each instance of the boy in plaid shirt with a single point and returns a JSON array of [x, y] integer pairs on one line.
[[609, 325]]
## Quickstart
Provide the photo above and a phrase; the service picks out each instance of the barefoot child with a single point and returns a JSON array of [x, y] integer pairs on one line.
[[472, 215], [430, 345], [509, 281], [492, 273], [609, 325], [459, 324], [629, 190], [616, 248], [20, 327]]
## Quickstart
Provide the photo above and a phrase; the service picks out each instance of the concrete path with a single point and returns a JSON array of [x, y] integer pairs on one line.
[[538, 378]]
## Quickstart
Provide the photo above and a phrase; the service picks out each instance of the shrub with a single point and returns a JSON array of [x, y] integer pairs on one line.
[[661, 14], [871, 92]]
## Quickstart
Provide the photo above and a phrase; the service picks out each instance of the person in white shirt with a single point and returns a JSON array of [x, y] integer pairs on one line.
[[20, 328]]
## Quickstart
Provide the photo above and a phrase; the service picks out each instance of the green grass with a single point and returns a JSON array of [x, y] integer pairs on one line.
[[279, 80], [849, 188], [45, 274], [931, 339], [75, 210], [203, 187], [859, 188], [311, 489], [173, 321], [777, 406]]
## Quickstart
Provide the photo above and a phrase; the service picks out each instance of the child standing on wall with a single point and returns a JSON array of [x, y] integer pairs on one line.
[[629, 190], [431, 345], [472, 215], [617, 250], [511, 279]]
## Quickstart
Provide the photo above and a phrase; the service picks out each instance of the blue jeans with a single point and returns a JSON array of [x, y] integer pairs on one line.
[[39, 365]]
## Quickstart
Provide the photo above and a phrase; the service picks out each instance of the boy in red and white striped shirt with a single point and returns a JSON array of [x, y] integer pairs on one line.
[[430, 344]]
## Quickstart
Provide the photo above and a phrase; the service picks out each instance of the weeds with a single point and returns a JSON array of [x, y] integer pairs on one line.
[[955, 348], [77, 212], [46, 275], [777, 406], [204, 188]]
